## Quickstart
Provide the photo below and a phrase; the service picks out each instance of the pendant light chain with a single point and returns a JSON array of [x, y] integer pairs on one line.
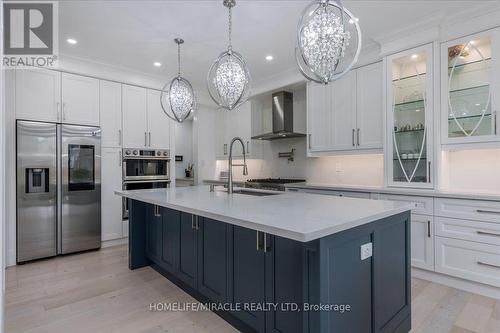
[[230, 23], [179, 60]]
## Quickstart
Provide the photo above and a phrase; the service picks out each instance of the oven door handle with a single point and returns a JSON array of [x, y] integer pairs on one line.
[[146, 181]]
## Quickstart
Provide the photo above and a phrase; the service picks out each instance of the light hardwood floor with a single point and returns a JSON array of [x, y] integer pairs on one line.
[[96, 292]]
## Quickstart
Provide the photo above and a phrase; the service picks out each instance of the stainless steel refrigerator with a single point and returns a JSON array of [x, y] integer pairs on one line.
[[58, 189]]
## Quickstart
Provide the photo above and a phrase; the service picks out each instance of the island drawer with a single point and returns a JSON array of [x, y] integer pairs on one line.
[[468, 260], [475, 231], [487, 211], [421, 205]]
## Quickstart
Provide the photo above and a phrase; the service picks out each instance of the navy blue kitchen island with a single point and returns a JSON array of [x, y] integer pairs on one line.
[[354, 280]]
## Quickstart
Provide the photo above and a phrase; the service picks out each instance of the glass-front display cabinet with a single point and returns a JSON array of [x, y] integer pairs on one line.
[[470, 75], [409, 131]]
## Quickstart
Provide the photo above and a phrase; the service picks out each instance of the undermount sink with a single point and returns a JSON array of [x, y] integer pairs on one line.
[[255, 193]]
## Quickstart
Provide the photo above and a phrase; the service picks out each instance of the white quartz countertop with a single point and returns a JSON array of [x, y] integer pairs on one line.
[[476, 195], [299, 216]]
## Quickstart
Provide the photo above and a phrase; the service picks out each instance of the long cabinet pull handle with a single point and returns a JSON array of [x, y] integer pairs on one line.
[[495, 122], [485, 211], [58, 110], [150, 139], [197, 222], [145, 139], [64, 111], [357, 136], [479, 232], [430, 168], [120, 158], [192, 222], [429, 229], [119, 137], [353, 133], [487, 264], [248, 148], [257, 241], [157, 211], [310, 139]]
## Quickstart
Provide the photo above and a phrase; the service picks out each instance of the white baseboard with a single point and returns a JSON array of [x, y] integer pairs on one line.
[[457, 283], [114, 242]]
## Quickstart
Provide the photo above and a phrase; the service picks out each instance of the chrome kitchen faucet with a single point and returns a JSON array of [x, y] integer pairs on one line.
[[230, 169]]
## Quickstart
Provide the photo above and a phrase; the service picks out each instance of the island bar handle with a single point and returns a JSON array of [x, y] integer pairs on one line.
[[157, 211], [488, 264], [353, 133], [483, 211], [267, 247], [428, 228]]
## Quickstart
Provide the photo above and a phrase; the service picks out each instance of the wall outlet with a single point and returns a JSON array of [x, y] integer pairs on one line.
[[366, 251]]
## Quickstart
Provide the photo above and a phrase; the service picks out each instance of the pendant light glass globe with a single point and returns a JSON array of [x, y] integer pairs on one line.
[[177, 97], [324, 33], [228, 79]]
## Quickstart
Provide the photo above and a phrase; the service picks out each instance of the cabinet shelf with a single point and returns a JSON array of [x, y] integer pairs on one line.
[[409, 77], [410, 159], [410, 106], [472, 63], [410, 131], [470, 117], [470, 90]]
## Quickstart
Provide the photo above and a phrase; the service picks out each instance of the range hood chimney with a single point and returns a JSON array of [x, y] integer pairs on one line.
[[282, 112]]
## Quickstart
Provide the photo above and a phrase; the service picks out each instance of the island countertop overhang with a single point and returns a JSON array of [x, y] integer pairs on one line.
[[302, 217]]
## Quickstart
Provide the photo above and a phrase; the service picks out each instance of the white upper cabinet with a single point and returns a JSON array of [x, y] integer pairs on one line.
[[230, 124], [470, 92], [370, 107], [347, 114], [110, 100], [409, 131], [343, 122], [80, 100], [38, 95], [319, 115], [135, 119], [159, 123]]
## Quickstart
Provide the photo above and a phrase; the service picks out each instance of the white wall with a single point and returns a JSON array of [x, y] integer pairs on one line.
[[471, 170], [344, 169], [2, 182], [183, 146]]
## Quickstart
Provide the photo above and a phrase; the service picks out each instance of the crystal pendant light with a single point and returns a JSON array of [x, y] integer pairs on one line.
[[228, 79], [177, 97], [322, 40]]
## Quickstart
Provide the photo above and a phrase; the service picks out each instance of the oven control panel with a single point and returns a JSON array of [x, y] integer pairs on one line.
[[146, 153]]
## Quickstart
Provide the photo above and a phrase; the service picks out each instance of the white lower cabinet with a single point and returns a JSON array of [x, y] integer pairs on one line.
[[468, 260], [422, 242], [111, 204]]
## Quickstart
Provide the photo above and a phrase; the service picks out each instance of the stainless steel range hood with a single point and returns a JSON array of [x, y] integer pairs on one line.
[[282, 112]]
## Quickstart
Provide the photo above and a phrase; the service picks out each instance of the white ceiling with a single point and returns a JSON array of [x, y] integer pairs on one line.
[[134, 34]]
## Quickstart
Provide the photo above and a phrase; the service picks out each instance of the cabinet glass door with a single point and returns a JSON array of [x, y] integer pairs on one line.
[[409, 122], [469, 94]]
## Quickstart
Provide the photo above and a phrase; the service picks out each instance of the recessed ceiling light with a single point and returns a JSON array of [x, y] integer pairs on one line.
[[477, 104], [269, 58], [351, 21], [71, 41], [157, 64], [414, 56], [472, 42]]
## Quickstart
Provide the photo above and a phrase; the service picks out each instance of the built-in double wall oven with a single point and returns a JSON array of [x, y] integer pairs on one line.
[[144, 169]]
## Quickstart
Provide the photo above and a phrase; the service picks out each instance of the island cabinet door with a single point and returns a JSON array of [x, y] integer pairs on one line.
[[345, 279], [284, 285], [248, 276], [154, 233], [391, 278], [214, 243], [170, 237], [188, 256]]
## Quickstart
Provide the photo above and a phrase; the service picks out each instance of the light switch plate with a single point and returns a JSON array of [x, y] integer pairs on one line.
[[366, 251]]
